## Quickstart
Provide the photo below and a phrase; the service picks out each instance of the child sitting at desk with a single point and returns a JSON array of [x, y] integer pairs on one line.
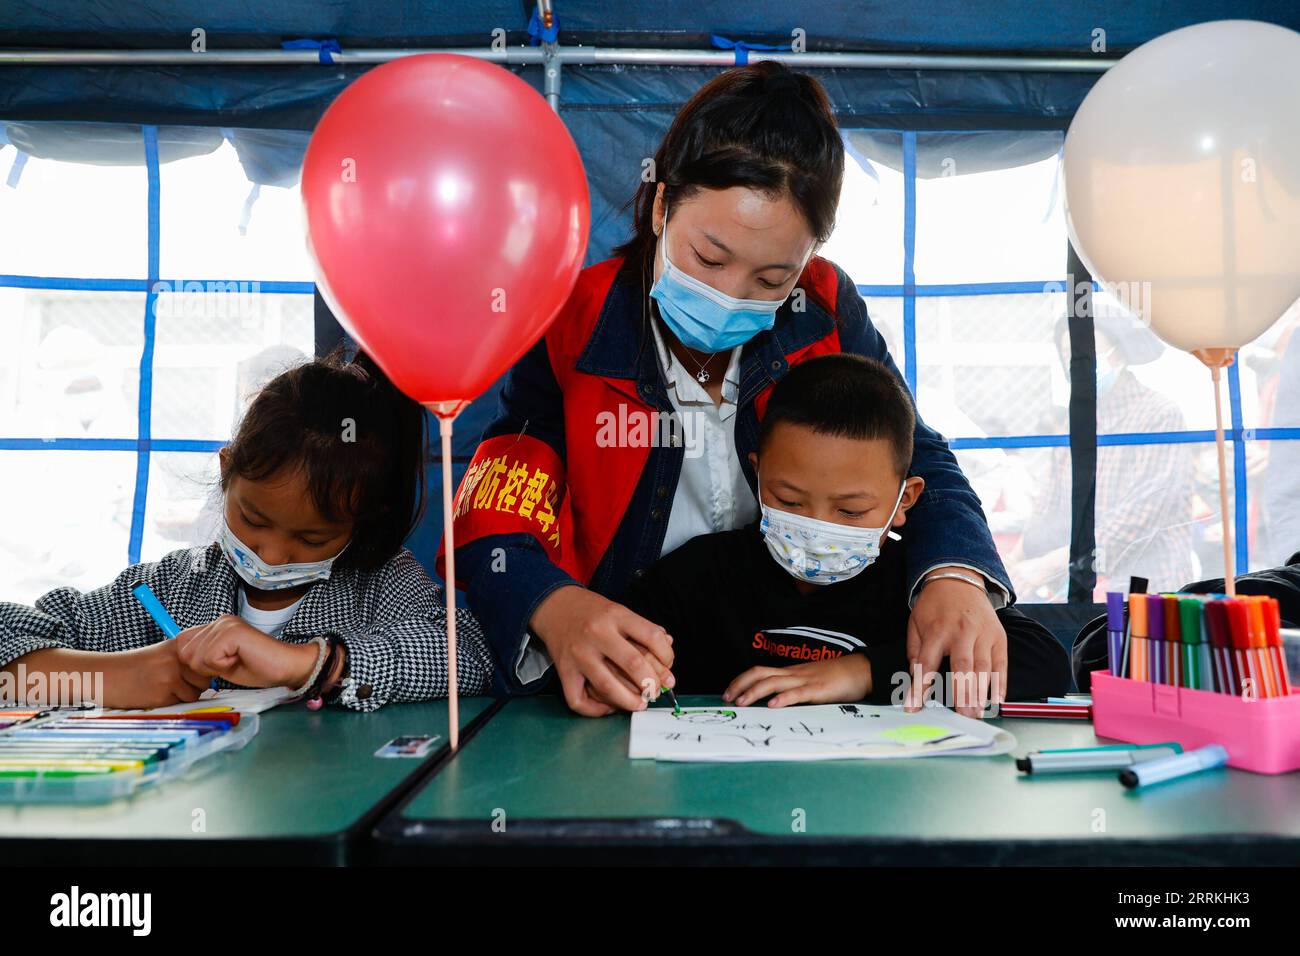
[[307, 586], [809, 604]]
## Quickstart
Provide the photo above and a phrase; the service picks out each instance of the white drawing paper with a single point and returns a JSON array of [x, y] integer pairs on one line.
[[249, 700], [820, 732]]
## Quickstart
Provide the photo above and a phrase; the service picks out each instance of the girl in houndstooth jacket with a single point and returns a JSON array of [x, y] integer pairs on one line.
[[308, 585]]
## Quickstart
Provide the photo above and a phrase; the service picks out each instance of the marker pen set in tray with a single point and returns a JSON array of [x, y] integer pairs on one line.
[[79, 756], [1199, 669], [1203, 641]]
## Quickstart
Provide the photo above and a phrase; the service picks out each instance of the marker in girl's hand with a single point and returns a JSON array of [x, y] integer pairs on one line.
[[672, 697], [149, 601]]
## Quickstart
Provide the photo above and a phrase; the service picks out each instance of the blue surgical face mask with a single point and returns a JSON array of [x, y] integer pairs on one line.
[[701, 317]]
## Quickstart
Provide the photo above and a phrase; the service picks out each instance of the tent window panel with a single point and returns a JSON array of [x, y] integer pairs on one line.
[[215, 350], [68, 217], [71, 366], [184, 505], [234, 211], [868, 239], [1273, 361], [975, 352], [989, 208], [65, 519], [1158, 514], [1007, 481], [1273, 479], [1145, 385], [886, 314]]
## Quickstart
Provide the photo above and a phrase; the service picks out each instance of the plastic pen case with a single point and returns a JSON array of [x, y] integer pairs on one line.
[[91, 759], [1261, 734]]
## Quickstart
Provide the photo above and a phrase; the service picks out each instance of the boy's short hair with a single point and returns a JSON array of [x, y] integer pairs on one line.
[[846, 395]]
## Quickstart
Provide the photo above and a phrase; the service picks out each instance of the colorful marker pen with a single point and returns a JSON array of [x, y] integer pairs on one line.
[[1189, 627], [1172, 768], [1156, 639], [1115, 630], [149, 601], [1137, 616], [1088, 759]]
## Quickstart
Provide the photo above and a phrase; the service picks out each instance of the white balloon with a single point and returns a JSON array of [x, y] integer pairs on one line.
[[1182, 181]]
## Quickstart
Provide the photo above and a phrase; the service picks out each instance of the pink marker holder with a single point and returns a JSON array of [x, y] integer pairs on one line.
[[1261, 735]]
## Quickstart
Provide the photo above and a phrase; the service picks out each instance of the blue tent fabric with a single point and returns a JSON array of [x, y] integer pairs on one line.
[[1018, 26], [107, 144], [105, 24], [960, 153], [293, 97], [617, 114], [270, 157]]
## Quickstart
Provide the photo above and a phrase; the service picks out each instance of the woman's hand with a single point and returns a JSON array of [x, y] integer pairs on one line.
[[955, 620], [233, 649], [835, 681], [607, 657]]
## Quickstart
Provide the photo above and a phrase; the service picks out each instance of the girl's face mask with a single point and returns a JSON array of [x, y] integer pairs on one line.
[[701, 317], [822, 552], [271, 577]]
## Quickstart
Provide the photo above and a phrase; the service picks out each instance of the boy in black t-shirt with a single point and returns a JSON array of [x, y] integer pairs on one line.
[[810, 604]]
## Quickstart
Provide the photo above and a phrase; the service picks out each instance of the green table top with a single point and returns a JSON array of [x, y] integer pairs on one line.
[[542, 769], [303, 782]]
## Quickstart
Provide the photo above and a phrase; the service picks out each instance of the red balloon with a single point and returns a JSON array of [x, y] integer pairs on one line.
[[447, 213]]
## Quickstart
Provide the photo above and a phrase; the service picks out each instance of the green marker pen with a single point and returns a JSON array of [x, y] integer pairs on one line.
[[673, 697]]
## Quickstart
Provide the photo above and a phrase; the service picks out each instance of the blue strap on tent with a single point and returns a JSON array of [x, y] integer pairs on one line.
[[741, 47], [247, 213], [866, 165], [909, 260], [538, 34], [145, 427], [939, 290], [1241, 517], [324, 48], [16, 170]]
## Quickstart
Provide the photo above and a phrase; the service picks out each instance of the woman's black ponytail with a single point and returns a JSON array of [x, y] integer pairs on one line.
[[362, 444]]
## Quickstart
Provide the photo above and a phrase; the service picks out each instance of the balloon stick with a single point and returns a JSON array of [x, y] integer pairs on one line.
[[447, 412], [1216, 360]]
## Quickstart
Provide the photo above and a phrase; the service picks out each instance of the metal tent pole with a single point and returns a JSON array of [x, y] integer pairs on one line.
[[564, 55]]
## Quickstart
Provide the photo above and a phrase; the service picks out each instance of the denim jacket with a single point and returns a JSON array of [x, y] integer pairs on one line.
[[507, 575]]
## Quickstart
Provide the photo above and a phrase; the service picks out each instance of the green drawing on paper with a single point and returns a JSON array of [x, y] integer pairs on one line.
[[698, 715]]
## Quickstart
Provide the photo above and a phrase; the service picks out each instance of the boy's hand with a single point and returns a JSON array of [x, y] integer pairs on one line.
[[232, 648], [153, 676], [836, 681], [952, 619]]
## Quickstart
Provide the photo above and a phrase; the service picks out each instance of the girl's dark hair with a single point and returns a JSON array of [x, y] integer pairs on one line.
[[361, 445], [762, 126]]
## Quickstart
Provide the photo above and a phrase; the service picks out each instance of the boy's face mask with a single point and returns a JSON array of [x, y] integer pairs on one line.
[[271, 577], [701, 317], [822, 552]]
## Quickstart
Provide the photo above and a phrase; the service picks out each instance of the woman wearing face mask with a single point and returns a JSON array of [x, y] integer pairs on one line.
[[625, 431]]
